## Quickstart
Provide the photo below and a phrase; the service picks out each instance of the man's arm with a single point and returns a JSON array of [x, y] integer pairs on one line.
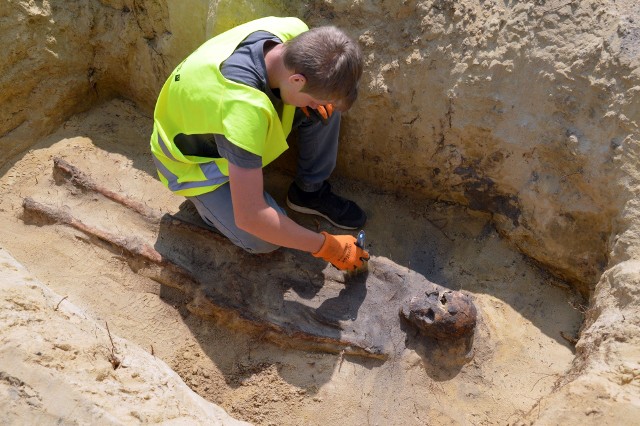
[[255, 216]]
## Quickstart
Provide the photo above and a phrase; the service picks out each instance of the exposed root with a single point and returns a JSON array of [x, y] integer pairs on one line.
[[58, 305], [113, 359], [568, 338]]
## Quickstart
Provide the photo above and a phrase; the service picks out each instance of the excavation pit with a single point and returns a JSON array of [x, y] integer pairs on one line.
[[523, 311], [494, 146]]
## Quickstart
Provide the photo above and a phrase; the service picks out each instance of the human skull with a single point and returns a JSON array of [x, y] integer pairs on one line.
[[443, 314]]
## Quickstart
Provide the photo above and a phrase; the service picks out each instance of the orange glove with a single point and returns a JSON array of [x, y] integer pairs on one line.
[[322, 113], [342, 252]]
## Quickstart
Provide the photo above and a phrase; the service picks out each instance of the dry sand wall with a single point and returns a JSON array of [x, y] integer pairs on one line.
[[44, 68], [516, 108], [64, 57]]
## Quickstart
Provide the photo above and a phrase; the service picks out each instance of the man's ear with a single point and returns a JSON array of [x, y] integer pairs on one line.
[[297, 80]]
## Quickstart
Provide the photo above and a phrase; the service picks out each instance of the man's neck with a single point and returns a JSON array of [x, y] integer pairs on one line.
[[276, 71]]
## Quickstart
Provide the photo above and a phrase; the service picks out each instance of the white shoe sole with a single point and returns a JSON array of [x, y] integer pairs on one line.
[[306, 210]]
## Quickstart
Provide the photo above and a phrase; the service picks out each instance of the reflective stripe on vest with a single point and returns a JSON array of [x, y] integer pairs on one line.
[[211, 171]]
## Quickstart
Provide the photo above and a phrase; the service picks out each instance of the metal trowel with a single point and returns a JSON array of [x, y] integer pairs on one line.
[[360, 242]]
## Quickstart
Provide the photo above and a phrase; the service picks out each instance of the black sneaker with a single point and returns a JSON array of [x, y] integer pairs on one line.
[[339, 211]]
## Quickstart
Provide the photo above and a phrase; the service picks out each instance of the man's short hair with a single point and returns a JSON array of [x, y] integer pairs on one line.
[[330, 61]]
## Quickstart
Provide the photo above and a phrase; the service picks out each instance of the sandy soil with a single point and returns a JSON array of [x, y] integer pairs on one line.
[[518, 353]]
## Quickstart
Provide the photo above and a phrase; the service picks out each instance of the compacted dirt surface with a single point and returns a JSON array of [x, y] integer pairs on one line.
[[522, 346]]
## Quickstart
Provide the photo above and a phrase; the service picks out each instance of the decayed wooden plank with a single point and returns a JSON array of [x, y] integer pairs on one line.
[[63, 170], [288, 297], [207, 301]]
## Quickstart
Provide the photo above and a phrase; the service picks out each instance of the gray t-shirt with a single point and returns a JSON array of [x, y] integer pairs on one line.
[[246, 66]]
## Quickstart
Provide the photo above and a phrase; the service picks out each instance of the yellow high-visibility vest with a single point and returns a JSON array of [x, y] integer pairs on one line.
[[197, 99]]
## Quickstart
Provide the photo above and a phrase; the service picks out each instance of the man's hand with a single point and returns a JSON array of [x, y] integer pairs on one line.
[[342, 252], [322, 113]]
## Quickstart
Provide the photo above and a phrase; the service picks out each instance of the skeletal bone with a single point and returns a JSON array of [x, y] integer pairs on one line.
[[441, 314]]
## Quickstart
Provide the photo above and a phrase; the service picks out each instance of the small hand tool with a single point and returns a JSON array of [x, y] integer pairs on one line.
[[360, 242], [360, 239]]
